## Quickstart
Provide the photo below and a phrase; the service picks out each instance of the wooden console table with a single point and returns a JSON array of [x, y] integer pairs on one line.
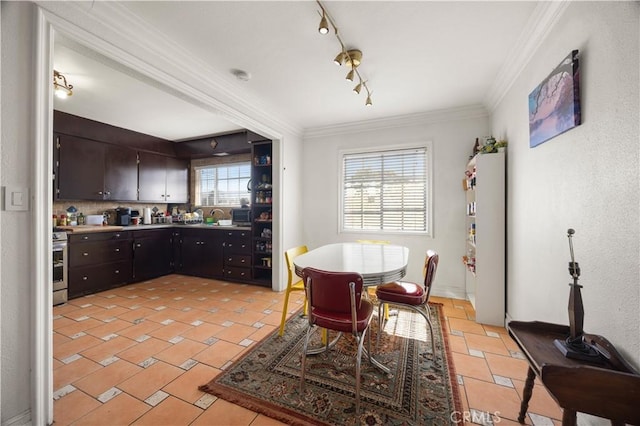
[[610, 390]]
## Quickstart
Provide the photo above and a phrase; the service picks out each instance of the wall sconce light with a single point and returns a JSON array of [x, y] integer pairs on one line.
[[61, 88], [351, 58]]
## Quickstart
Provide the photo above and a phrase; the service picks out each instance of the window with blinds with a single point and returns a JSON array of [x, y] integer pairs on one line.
[[386, 191], [221, 185]]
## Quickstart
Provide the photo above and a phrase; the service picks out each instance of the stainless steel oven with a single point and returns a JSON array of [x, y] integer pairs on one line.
[[60, 260]]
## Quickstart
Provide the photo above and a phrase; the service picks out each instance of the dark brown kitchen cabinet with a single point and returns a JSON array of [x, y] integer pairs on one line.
[[152, 253], [99, 261], [201, 252], [162, 179], [237, 254], [90, 170]]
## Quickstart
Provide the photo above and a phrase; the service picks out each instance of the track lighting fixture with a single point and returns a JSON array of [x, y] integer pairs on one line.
[[60, 86], [324, 26], [351, 58]]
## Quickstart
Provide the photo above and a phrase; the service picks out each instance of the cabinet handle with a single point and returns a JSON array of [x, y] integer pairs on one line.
[[230, 259], [85, 254], [117, 271], [99, 192], [84, 278], [117, 250], [138, 245], [85, 237], [168, 195], [242, 261], [162, 195], [242, 274], [107, 192], [117, 235], [229, 245]]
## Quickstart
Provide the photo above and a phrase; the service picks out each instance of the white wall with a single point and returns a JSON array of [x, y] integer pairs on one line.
[[452, 134], [586, 179], [16, 148]]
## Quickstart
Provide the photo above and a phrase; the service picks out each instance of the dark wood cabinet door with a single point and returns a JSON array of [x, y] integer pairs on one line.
[[121, 174], [212, 263], [177, 181], [152, 177], [80, 169], [191, 253], [152, 253]]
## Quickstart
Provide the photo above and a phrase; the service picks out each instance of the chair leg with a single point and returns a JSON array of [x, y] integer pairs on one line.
[[284, 311], [358, 363], [424, 311], [303, 361], [381, 320]]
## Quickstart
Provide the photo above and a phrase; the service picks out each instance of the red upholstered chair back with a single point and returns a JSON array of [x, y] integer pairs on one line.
[[430, 267], [329, 291]]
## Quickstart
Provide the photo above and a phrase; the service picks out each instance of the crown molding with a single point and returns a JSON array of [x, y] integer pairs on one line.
[[431, 117], [543, 19], [157, 56]]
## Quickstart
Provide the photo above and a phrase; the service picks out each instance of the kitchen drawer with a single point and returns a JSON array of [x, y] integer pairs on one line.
[[99, 252], [98, 236], [236, 273], [238, 245], [91, 279], [237, 260]]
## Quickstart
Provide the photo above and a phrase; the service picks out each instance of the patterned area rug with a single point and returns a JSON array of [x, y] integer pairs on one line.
[[421, 388]]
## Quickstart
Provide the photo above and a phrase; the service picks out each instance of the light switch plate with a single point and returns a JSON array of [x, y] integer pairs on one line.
[[16, 198]]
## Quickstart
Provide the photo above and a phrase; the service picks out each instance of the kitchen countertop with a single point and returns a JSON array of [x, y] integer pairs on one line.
[[80, 229]]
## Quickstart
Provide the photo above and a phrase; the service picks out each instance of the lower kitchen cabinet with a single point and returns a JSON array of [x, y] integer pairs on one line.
[[201, 253], [152, 253], [237, 254], [99, 261]]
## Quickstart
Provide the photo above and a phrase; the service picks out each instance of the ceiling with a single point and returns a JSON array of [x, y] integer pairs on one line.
[[418, 56]]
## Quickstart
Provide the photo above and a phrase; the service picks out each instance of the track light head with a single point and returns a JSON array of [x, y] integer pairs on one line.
[[357, 89], [340, 58], [324, 25], [350, 75], [368, 102]]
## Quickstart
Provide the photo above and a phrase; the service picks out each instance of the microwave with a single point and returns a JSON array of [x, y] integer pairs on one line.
[[241, 217]]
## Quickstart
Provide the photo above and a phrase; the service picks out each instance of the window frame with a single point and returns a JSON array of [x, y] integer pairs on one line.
[[198, 182], [427, 146]]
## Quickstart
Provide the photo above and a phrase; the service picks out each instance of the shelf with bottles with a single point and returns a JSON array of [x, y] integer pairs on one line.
[[262, 246], [470, 264]]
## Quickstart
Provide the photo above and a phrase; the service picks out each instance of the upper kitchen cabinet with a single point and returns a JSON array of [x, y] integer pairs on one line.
[[90, 170], [162, 179]]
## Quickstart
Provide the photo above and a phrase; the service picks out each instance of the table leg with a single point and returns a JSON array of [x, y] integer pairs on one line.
[[568, 417], [526, 395]]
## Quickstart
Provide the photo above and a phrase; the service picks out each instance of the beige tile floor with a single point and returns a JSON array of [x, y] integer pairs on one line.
[[136, 355]]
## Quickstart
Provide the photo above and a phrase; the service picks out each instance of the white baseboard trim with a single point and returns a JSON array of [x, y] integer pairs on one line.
[[452, 293]]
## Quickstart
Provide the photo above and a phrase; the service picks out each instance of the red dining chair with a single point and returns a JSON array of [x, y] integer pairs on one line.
[[410, 295], [336, 303]]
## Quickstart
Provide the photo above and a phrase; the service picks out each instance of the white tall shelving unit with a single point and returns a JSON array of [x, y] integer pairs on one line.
[[485, 245]]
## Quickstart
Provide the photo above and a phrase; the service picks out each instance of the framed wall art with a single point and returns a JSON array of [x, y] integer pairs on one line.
[[554, 105]]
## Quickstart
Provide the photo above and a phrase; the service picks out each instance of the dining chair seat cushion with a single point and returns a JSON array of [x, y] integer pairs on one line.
[[406, 293], [341, 321]]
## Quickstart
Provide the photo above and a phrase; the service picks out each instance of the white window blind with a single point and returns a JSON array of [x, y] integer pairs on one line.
[[385, 191], [222, 185]]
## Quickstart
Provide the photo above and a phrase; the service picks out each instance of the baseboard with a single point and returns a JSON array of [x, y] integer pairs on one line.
[[22, 419], [449, 292]]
